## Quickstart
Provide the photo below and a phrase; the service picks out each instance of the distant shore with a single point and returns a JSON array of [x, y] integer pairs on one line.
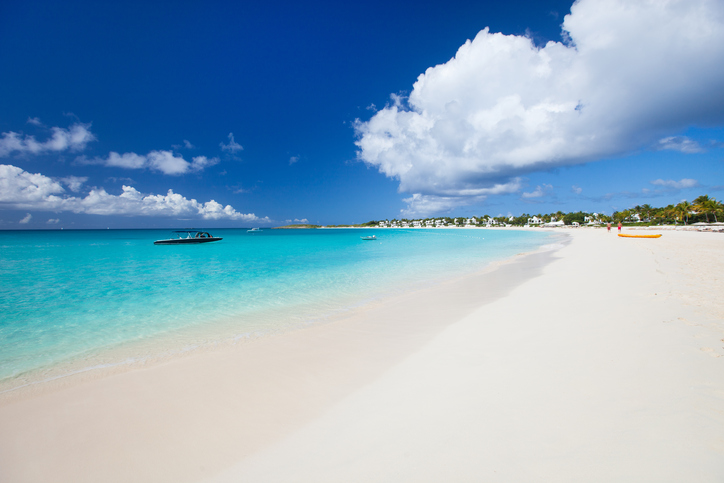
[[714, 226], [598, 360]]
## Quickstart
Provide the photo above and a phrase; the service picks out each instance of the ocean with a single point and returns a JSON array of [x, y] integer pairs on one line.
[[75, 300]]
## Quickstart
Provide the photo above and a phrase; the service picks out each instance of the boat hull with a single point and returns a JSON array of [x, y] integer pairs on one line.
[[186, 241]]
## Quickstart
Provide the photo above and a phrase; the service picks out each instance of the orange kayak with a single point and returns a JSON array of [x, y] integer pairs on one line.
[[639, 236]]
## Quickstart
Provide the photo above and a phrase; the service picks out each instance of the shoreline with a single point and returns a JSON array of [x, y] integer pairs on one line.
[[250, 382], [219, 334], [520, 373]]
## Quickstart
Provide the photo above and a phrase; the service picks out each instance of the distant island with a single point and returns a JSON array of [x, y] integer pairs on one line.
[[289, 227]]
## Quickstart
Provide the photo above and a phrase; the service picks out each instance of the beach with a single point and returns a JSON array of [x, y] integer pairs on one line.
[[599, 359]]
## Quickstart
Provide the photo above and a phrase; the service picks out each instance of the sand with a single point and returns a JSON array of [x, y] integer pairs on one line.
[[601, 361]]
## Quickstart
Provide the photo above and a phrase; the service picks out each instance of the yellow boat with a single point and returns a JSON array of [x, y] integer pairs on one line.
[[639, 236]]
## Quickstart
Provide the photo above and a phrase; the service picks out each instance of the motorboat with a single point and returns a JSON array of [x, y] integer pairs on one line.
[[253, 230], [372, 237], [191, 237]]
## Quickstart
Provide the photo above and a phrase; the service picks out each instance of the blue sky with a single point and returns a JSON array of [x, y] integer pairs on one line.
[[319, 111]]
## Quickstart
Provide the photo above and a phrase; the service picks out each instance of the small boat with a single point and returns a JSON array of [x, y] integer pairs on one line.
[[253, 230], [639, 236], [191, 237], [369, 237]]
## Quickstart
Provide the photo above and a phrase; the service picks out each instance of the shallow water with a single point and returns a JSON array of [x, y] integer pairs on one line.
[[71, 295]]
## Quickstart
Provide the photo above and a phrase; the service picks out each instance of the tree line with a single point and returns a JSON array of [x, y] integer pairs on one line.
[[702, 209]]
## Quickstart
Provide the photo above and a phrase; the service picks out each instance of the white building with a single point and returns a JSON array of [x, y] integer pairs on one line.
[[593, 219]]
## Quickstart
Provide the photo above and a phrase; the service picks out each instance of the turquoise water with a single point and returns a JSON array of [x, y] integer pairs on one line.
[[72, 295]]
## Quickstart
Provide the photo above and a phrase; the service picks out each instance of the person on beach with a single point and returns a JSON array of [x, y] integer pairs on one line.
[[608, 226], [619, 227]]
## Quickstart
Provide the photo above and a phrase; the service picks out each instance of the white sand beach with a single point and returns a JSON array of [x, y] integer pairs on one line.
[[600, 361]]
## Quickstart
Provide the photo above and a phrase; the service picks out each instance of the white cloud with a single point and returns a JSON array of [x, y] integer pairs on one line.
[[293, 160], [125, 160], [539, 191], [303, 220], [164, 161], [680, 143], [671, 184], [53, 221], [631, 73], [35, 121], [74, 182], [167, 163], [233, 147], [198, 163], [74, 138], [576, 189], [26, 219], [419, 204], [22, 190]]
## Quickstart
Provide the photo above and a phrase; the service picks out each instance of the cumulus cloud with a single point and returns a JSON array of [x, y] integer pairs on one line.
[[26, 219], [22, 190], [164, 161], [625, 75], [74, 182], [680, 143], [233, 147], [35, 121], [576, 189], [53, 221], [671, 184], [303, 220], [293, 160], [74, 138]]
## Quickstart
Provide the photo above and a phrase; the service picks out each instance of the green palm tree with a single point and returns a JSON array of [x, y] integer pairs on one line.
[[683, 209], [647, 209], [707, 205]]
